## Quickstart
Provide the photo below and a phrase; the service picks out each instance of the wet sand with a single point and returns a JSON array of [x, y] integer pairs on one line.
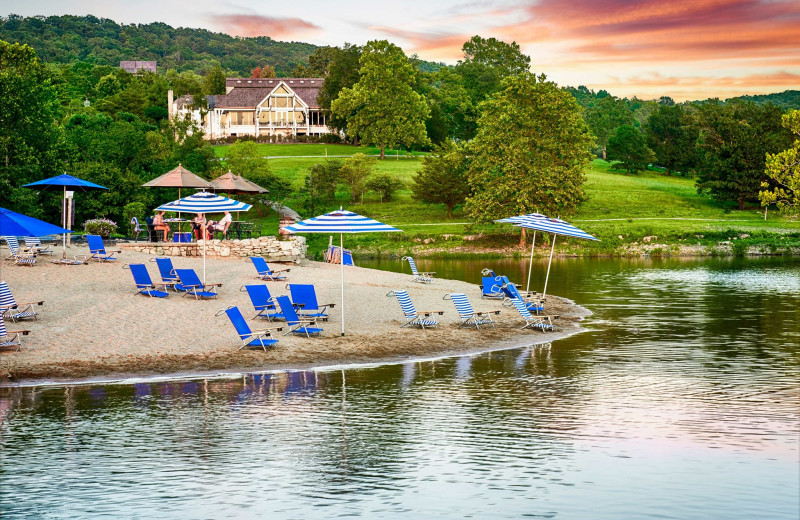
[[93, 324]]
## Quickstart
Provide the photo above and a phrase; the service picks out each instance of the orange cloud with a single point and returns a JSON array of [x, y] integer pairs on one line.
[[438, 45], [256, 25]]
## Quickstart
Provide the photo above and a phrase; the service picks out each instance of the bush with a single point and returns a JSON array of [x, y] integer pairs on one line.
[[330, 139], [133, 209], [100, 226], [384, 184]]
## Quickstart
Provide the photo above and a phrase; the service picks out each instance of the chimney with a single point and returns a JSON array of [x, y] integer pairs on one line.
[[170, 109]]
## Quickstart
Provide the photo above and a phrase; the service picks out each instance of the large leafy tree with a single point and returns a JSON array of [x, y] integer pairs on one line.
[[672, 138], [320, 186], [486, 62], [734, 141], [246, 159], [443, 178], [604, 116], [530, 151], [783, 172], [453, 113], [629, 146], [340, 67], [354, 173], [382, 108]]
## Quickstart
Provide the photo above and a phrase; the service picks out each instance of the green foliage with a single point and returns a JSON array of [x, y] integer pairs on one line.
[[244, 158], [672, 136], [123, 187], [453, 114], [783, 172], [100, 226], [382, 108], [341, 66], [133, 209], [385, 185], [214, 82], [443, 178], [529, 153], [354, 173], [734, 141], [604, 116], [629, 146], [320, 185], [486, 62]]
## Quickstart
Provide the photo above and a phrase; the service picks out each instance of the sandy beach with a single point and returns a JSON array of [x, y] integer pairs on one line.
[[93, 324]]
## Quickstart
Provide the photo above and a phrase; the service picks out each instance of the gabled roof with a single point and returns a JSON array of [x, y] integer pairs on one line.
[[249, 92], [272, 82]]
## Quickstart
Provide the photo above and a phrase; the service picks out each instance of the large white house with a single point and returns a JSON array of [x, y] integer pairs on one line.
[[257, 107]]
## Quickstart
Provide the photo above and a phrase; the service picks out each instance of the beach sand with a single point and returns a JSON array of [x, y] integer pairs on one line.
[[93, 324]]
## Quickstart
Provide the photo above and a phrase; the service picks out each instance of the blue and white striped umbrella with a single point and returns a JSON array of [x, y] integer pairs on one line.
[[204, 202], [340, 221]]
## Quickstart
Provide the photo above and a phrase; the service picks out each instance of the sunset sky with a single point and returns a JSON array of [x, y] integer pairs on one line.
[[683, 49]]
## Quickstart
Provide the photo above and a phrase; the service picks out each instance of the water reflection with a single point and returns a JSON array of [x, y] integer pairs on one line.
[[681, 402]]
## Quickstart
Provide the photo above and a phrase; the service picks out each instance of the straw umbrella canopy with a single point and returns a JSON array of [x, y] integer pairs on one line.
[[236, 184], [179, 177], [204, 202], [341, 221]]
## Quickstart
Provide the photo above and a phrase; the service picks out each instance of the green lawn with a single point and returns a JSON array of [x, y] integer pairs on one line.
[[317, 149]]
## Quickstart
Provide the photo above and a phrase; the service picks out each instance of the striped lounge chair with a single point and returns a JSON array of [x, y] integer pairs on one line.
[[19, 257], [10, 338], [470, 318], [418, 276], [13, 310], [543, 323], [414, 318], [34, 245]]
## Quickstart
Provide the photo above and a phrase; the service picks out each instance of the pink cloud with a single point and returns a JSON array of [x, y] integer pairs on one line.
[[256, 25]]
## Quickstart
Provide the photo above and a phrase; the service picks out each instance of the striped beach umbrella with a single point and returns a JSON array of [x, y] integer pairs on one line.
[[517, 220], [204, 202], [341, 221]]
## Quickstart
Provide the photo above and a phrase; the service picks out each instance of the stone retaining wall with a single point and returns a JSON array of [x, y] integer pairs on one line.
[[272, 249]]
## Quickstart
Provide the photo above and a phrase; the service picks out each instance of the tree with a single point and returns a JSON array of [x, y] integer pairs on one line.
[[443, 178], [354, 173], [342, 66], [382, 108], [529, 153], [385, 185], [783, 172], [267, 71], [486, 62], [453, 114], [214, 82], [734, 141], [672, 137], [319, 63], [629, 146], [320, 185], [245, 158], [604, 116]]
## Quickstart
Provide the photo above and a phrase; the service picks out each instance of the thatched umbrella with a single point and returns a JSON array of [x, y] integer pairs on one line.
[[179, 177], [236, 184]]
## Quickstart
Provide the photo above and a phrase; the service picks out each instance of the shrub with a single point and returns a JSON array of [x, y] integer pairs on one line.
[[100, 226], [330, 139], [384, 184], [133, 209]]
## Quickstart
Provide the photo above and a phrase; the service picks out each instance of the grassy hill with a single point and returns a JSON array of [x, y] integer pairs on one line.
[[619, 209]]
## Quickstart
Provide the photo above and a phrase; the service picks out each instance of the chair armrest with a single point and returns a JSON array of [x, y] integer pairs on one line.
[[427, 273], [428, 313], [23, 332], [257, 332], [272, 271], [212, 285], [306, 320], [486, 312], [40, 302]]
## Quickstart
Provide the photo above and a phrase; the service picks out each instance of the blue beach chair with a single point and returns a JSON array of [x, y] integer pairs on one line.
[[297, 325], [20, 257], [12, 309], [144, 283], [98, 250], [543, 323], [10, 338], [418, 276], [414, 318], [468, 316], [262, 302], [511, 292], [191, 283], [267, 274], [167, 272], [261, 338], [489, 288], [304, 298]]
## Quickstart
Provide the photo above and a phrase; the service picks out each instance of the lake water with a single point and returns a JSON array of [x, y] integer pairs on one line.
[[681, 402]]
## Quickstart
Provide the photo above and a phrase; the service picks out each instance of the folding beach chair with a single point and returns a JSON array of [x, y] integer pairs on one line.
[[192, 285], [489, 287], [167, 272], [414, 318], [98, 250], [261, 338], [543, 323], [418, 276], [304, 298], [34, 245], [267, 274], [469, 317], [297, 325], [262, 302], [19, 257], [14, 310], [10, 338], [511, 292], [145, 284]]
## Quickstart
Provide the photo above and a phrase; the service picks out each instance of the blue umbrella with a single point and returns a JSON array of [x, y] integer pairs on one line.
[[17, 224], [341, 221]]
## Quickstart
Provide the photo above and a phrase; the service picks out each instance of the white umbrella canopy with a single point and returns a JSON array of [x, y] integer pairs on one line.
[[341, 221], [517, 220], [204, 202]]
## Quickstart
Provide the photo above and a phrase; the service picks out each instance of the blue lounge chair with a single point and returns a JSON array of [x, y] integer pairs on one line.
[[418, 276], [347, 257], [12, 309], [34, 245], [10, 338], [296, 324], [263, 302], [167, 272], [304, 298], [98, 250], [414, 318], [489, 288], [467, 314], [267, 274], [261, 338], [144, 283], [511, 292], [192, 285], [543, 323], [20, 257]]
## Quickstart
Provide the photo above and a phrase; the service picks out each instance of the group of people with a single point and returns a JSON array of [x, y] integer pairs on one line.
[[201, 228]]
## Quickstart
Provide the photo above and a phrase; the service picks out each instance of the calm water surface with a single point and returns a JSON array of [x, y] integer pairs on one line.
[[681, 402]]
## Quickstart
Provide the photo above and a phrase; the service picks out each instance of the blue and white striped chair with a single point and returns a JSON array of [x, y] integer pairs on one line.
[[418, 276], [470, 318], [20, 258], [543, 323], [13, 310], [34, 245], [10, 338], [414, 318]]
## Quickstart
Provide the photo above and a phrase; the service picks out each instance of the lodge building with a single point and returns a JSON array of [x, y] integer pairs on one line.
[[257, 107]]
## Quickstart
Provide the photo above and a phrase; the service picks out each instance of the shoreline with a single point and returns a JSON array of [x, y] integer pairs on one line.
[[94, 327]]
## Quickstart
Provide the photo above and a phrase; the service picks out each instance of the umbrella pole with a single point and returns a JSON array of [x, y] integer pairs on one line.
[[204, 259], [530, 265], [546, 278], [64, 220], [341, 269], [180, 228]]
